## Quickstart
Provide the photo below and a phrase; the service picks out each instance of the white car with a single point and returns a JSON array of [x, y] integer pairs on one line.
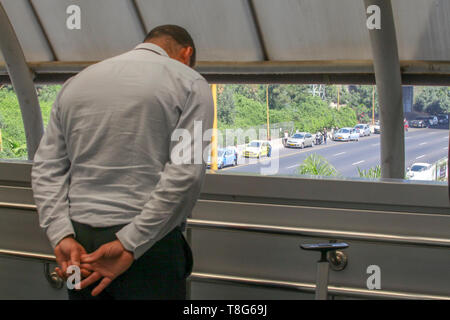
[[364, 130], [420, 171], [300, 140], [346, 134]]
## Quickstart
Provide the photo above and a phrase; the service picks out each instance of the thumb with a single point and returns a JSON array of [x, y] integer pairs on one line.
[[97, 254]]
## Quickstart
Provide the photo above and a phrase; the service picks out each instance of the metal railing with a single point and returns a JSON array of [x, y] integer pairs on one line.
[[321, 233], [296, 231], [310, 288], [266, 283], [280, 230]]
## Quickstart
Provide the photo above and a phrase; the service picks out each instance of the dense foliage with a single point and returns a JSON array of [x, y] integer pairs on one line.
[[245, 106], [433, 100], [11, 124]]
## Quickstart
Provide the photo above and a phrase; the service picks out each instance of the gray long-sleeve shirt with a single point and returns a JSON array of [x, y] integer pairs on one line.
[[107, 157]]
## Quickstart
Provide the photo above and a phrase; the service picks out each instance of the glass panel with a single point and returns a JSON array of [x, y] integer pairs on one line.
[[344, 123]]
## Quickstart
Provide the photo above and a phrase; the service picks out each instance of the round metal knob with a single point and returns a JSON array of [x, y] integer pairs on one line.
[[338, 260], [53, 278]]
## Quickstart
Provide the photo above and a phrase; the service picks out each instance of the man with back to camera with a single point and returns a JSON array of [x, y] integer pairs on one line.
[[109, 194]]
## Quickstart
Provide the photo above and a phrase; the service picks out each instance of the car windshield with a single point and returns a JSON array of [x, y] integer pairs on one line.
[[359, 127], [417, 168], [298, 136], [343, 131], [254, 144]]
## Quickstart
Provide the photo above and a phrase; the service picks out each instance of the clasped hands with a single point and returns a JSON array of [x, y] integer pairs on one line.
[[105, 264]]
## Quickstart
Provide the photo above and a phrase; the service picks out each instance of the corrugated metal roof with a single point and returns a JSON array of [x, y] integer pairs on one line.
[[229, 31]]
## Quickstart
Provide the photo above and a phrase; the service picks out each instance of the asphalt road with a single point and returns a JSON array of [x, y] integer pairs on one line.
[[421, 145]]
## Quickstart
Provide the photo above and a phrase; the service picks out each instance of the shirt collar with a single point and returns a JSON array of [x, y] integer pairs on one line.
[[153, 47]]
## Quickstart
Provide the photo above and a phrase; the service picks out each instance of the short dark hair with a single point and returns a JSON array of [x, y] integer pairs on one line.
[[179, 34]]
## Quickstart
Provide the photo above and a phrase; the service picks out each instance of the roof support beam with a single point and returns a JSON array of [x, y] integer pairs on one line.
[[320, 72], [138, 13], [389, 86], [259, 32], [44, 33], [22, 80]]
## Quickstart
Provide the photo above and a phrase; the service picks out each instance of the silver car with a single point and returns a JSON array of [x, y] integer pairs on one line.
[[346, 134], [300, 140], [363, 130]]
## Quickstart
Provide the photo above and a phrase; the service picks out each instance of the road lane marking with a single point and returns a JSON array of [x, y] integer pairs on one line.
[[420, 156], [338, 154], [331, 145], [354, 164], [421, 144], [375, 144], [292, 166]]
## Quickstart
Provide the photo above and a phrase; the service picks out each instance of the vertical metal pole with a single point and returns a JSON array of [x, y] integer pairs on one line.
[[214, 135], [22, 81], [389, 87], [323, 268], [373, 105], [267, 108]]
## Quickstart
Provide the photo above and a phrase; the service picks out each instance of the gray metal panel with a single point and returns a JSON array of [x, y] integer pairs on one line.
[[214, 291], [362, 193], [314, 29], [19, 230], [222, 30], [23, 279], [423, 28], [410, 269], [108, 28], [403, 268], [27, 30], [371, 221]]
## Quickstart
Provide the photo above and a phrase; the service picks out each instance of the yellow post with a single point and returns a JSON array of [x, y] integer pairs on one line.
[[214, 133], [267, 104], [373, 104]]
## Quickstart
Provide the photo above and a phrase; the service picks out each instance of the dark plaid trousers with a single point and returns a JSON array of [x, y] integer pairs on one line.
[[160, 273]]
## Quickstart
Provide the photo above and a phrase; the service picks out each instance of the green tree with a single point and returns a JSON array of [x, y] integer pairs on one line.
[[433, 100], [225, 99]]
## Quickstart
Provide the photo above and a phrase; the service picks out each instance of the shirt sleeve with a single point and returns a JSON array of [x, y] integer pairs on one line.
[[179, 186], [50, 178]]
